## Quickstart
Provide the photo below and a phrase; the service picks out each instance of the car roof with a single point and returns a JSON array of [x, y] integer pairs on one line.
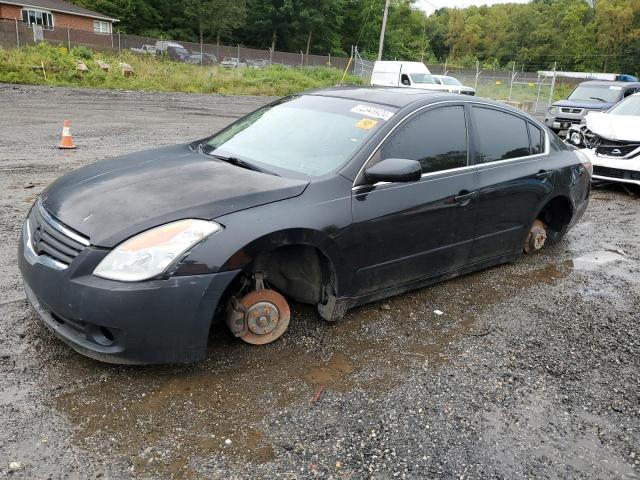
[[611, 83], [391, 96]]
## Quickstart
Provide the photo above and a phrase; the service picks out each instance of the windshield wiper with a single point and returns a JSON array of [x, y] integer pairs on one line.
[[598, 98], [240, 163]]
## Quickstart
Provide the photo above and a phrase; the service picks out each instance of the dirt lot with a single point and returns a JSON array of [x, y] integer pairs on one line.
[[532, 370]]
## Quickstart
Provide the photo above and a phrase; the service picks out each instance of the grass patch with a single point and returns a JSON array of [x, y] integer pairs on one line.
[[522, 92], [46, 64]]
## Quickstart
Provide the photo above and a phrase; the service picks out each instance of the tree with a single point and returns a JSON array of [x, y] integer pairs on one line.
[[268, 21], [215, 18]]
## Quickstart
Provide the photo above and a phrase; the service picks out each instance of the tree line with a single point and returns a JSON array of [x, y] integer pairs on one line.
[[589, 35]]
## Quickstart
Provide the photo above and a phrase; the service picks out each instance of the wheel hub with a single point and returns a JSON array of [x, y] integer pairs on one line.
[[266, 315], [262, 318]]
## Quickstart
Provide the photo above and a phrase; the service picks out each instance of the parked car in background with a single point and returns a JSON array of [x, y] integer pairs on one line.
[[611, 140], [454, 85], [162, 45], [204, 58], [178, 54], [334, 198], [233, 62], [591, 96], [259, 63], [145, 49], [404, 74]]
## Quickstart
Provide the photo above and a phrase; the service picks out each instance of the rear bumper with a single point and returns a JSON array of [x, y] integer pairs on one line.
[[158, 321]]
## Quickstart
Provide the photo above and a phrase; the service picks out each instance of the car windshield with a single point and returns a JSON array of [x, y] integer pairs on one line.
[[309, 135], [629, 106], [422, 78], [450, 81], [597, 93]]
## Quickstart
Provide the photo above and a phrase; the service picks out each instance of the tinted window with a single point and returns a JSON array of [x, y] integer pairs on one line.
[[500, 135], [437, 138], [537, 140]]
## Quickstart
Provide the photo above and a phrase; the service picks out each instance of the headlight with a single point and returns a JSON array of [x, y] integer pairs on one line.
[[553, 110], [150, 253], [575, 138]]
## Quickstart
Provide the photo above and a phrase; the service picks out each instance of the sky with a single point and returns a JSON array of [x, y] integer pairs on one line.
[[430, 6]]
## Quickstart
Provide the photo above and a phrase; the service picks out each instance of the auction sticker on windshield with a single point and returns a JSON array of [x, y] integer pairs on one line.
[[370, 111], [366, 123]]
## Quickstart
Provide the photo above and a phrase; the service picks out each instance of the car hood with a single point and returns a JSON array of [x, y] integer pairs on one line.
[[111, 200], [583, 104], [623, 128]]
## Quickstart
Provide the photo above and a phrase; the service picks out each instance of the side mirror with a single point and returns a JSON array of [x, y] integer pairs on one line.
[[405, 81], [394, 170]]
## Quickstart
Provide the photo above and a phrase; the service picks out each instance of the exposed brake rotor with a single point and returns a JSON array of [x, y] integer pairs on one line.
[[536, 238], [267, 316]]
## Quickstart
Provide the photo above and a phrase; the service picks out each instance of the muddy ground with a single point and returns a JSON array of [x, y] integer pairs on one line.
[[531, 371]]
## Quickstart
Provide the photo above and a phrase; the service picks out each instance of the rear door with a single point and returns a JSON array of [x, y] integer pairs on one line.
[[409, 231], [515, 177]]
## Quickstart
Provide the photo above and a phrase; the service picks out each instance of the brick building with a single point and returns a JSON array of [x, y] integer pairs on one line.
[[52, 14]]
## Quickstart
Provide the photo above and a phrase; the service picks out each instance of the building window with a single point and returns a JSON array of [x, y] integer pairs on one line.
[[37, 17], [101, 27]]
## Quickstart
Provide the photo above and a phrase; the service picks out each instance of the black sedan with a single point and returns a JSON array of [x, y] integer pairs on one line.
[[334, 198]]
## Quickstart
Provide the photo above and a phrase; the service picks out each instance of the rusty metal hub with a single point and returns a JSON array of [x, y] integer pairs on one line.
[[536, 238], [267, 316]]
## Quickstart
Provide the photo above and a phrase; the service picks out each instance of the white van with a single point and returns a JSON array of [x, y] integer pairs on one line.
[[404, 74]]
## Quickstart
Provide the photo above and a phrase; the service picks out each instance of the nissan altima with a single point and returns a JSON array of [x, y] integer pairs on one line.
[[334, 198]]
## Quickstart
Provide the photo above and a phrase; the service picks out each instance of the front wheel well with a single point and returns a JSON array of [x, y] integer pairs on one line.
[[301, 272]]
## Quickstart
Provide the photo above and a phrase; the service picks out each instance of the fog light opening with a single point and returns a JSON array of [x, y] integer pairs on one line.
[[103, 336], [107, 333]]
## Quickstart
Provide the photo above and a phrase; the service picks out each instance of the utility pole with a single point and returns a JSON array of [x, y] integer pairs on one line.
[[384, 27]]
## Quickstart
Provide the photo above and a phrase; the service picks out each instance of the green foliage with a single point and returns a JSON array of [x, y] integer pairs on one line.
[[82, 52], [588, 35], [26, 66]]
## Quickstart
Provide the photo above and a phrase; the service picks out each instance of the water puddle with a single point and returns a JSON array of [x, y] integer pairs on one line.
[[594, 260]]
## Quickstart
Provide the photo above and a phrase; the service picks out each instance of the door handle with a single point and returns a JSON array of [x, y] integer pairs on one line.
[[544, 174], [463, 198]]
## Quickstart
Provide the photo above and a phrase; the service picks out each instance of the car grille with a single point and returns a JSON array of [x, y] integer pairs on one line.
[[616, 149], [615, 173], [570, 110], [467, 92], [48, 237], [573, 121]]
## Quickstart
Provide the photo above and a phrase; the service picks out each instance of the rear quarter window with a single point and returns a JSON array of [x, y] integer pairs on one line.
[[537, 139]]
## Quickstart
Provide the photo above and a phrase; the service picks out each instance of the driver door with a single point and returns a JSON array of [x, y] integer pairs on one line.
[[404, 232]]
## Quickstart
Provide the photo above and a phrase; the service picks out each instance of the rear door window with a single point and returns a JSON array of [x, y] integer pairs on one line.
[[499, 135], [436, 138]]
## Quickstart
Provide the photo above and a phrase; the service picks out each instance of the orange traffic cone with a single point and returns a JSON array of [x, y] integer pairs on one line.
[[66, 141]]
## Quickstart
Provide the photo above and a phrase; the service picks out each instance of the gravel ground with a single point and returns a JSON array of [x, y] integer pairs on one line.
[[531, 371]]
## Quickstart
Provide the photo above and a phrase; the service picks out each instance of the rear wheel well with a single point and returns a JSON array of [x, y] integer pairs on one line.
[[556, 215]]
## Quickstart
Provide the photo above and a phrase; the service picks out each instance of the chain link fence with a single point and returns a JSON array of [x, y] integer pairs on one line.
[[18, 34], [528, 89]]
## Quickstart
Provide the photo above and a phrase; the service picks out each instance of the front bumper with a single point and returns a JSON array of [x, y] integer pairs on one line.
[[614, 170], [562, 121], [156, 321]]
